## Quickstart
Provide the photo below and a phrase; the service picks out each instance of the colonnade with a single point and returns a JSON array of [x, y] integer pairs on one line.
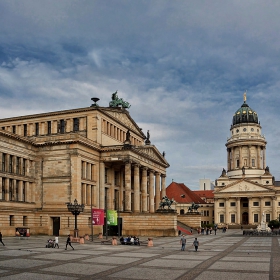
[[252, 209], [232, 157], [140, 189]]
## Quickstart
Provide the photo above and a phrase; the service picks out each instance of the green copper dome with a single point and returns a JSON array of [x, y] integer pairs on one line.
[[245, 114]]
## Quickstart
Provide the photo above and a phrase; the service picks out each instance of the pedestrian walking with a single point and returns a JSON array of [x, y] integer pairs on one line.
[[68, 242], [183, 242], [1, 236], [56, 242], [215, 229], [196, 244]]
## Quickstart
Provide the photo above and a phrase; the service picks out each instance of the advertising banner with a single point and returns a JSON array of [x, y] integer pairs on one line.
[[112, 217], [97, 217]]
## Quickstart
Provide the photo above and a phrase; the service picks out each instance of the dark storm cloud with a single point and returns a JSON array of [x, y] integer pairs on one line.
[[183, 65]]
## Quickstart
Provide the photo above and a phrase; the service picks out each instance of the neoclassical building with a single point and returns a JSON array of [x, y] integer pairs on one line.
[[97, 155], [246, 191]]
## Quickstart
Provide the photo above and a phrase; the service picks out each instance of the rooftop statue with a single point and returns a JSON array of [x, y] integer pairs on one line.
[[116, 101], [165, 201], [193, 207]]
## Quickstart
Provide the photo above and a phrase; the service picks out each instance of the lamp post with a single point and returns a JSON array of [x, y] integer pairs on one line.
[[75, 209]]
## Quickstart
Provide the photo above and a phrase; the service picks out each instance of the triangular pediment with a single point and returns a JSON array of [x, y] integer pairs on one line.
[[151, 152], [242, 186], [124, 118]]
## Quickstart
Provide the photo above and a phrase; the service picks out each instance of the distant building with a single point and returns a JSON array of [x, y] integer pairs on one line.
[[246, 193], [184, 198], [206, 184]]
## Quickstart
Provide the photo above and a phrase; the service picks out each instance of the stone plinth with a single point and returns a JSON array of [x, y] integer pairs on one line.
[[150, 224], [192, 219]]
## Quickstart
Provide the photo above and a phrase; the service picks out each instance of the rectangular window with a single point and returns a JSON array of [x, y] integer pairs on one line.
[[255, 203], [16, 198], [24, 166], [222, 218], [232, 218], [36, 129], [267, 203], [253, 162], [10, 190], [17, 164], [256, 218], [232, 204], [12, 220], [61, 126], [25, 130], [221, 204], [267, 218], [245, 204], [3, 188], [24, 221], [106, 175], [117, 178], [11, 164], [23, 191], [49, 127], [76, 124], [237, 163], [3, 162], [3, 127], [14, 129]]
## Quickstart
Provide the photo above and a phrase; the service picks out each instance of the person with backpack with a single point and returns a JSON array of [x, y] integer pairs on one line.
[[196, 244]]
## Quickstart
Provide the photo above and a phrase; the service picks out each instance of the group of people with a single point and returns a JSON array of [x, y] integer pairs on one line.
[[183, 242], [130, 240], [207, 230], [54, 243]]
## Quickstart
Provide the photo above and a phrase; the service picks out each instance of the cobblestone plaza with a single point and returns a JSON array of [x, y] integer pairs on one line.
[[227, 255]]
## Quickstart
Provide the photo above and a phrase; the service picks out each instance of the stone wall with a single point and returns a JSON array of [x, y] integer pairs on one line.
[[145, 224], [190, 219]]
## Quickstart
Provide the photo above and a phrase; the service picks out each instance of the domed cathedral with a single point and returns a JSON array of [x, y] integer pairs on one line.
[[246, 194]]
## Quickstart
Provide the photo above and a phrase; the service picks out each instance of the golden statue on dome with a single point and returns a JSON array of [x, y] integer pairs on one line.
[[244, 96]]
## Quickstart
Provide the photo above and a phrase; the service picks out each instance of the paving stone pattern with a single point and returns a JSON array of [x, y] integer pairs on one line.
[[227, 256]]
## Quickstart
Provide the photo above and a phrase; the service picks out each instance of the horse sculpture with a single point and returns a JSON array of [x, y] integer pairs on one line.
[[165, 201], [193, 207], [116, 101]]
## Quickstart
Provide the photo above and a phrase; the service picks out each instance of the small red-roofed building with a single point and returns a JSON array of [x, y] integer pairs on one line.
[[184, 198]]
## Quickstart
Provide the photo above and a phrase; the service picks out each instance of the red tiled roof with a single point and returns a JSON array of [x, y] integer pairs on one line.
[[177, 190], [205, 193]]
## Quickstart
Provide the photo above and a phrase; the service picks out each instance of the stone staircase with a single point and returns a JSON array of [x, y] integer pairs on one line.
[[185, 229]]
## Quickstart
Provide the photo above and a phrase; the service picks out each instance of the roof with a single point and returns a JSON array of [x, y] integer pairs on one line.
[[245, 115], [182, 194], [205, 193]]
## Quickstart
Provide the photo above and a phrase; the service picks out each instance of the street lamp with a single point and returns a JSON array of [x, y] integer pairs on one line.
[[75, 209]]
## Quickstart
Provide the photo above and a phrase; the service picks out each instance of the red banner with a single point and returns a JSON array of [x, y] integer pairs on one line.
[[98, 217]]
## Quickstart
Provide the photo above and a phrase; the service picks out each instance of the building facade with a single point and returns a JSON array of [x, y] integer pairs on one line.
[[97, 155], [246, 191]]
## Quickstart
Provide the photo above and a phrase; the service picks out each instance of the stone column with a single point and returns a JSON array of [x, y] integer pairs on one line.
[[151, 192], [163, 186], [261, 207], [274, 207], [264, 160], [157, 191], [233, 158], [88, 195], [250, 212], [144, 189], [1, 186], [121, 196], [101, 185], [250, 157], [83, 194], [258, 157], [127, 199], [240, 157], [96, 191], [238, 210], [20, 191], [28, 192], [1, 164], [216, 215], [227, 219], [228, 159], [136, 189]]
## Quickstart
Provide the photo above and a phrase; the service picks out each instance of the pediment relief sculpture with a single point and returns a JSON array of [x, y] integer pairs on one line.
[[244, 187]]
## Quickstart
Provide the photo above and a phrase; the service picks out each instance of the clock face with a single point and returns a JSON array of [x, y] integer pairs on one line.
[[244, 129]]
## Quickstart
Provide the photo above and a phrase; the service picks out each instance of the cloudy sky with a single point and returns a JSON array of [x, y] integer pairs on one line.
[[182, 65]]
